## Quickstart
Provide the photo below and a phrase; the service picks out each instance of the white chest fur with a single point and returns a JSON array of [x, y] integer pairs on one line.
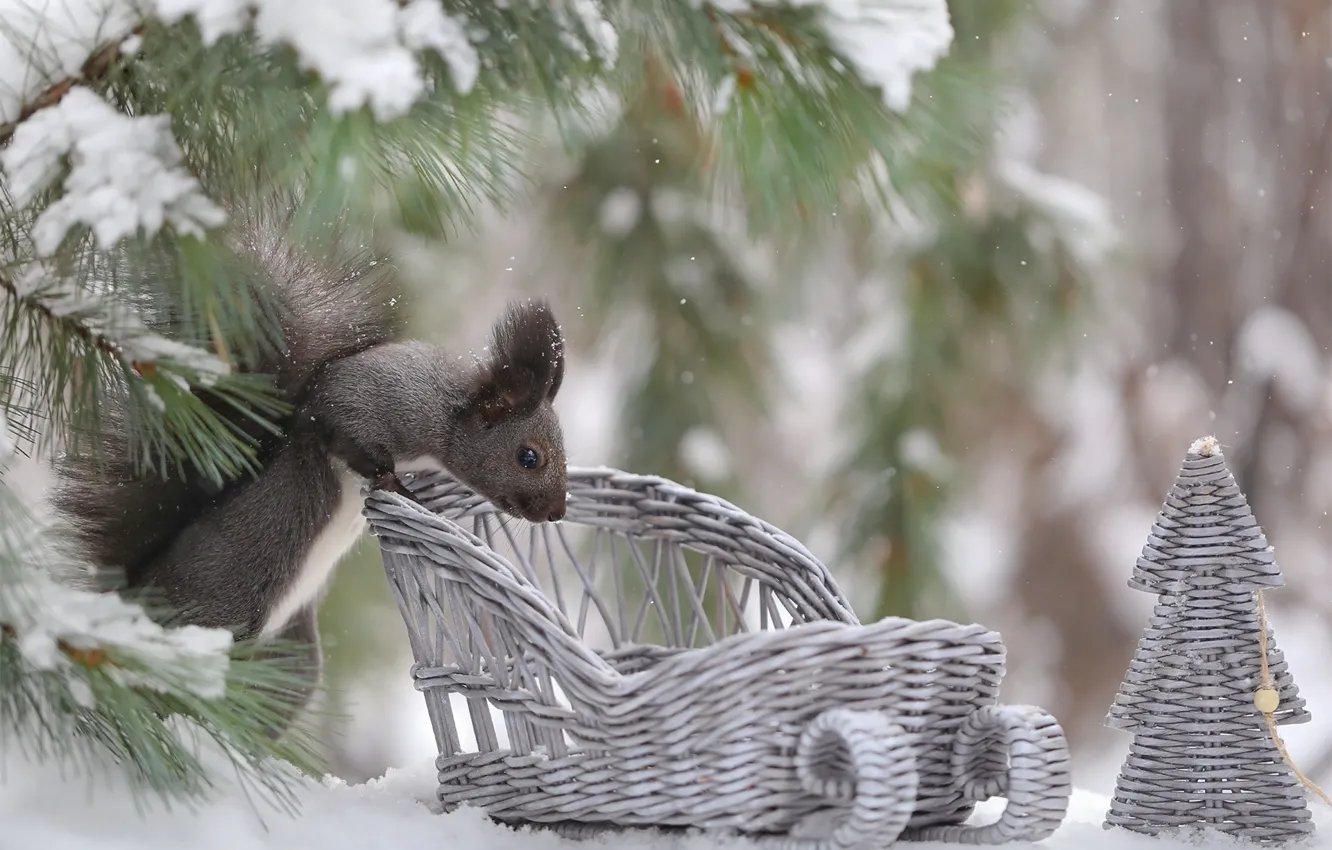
[[343, 528]]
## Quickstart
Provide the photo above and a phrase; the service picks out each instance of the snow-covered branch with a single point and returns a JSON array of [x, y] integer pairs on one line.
[[90, 678], [72, 632], [48, 45], [364, 49], [125, 173], [886, 42], [64, 629], [103, 324]]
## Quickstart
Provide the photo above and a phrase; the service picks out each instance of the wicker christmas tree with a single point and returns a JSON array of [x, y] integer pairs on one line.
[[1200, 701]]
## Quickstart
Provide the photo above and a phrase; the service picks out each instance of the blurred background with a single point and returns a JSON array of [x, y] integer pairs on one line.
[[973, 411], [969, 407]]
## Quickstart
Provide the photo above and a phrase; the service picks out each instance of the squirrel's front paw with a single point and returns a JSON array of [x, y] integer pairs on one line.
[[389, 482]]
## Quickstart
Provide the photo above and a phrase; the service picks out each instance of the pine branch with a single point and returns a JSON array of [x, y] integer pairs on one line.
[[94, 69], [77, 347], [985, 300], [89, 676], [64, 323], [747, 68]]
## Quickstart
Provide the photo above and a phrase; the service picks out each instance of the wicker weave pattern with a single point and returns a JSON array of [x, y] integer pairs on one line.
[[1202, 754], [734, 688]]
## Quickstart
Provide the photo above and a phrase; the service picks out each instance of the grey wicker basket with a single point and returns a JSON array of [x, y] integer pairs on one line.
[[663, 659]]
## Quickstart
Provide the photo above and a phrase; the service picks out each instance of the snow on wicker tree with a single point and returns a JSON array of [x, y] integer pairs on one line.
[[1196, 691]]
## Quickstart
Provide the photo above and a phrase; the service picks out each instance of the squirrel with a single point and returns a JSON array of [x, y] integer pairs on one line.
[[255, 555]]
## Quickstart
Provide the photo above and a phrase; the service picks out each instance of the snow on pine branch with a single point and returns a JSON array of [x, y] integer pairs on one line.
[[43, 42], [1081, 216], [109, 326], [125, 173], [364, 49], [886, 42], [58, 627], [66, 629]]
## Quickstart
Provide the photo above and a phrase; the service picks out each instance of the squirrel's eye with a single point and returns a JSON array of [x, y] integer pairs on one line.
[[528, 458]]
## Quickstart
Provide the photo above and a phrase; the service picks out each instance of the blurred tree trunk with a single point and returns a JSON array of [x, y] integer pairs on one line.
[[1202, 289], [1207, 126], [1299, 144], [1061, 587]]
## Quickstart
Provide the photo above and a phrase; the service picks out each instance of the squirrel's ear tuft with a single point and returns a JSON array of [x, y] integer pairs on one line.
[[526, 365]]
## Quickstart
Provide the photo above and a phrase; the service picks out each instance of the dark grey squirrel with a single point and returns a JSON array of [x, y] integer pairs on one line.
[[255, 555]]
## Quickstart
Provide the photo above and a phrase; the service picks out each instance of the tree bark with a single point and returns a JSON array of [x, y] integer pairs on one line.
[[1203, 275]]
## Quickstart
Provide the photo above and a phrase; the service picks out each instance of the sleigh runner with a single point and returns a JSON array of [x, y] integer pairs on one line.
[[734, 689]]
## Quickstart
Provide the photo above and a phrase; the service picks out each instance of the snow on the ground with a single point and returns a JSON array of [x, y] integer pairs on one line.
[[40, 808]]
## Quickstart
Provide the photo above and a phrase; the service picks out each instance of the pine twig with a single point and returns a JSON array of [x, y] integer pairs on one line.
[[93, 69], [91, 658], [73, 326]]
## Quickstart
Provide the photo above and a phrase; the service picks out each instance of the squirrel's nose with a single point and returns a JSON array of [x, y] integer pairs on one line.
[[556, 513]]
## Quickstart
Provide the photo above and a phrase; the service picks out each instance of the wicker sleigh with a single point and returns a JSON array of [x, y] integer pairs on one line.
[[683, 664]]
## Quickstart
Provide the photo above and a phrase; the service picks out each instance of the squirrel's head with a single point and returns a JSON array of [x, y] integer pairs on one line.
[[515, 454]]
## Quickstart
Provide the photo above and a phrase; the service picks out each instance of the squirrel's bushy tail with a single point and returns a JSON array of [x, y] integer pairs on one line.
[[330, 302]]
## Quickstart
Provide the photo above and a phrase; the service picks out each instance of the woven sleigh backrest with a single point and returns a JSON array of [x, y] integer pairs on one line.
[[642, 559], [495, 603], [478, 628], [640, 567]]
